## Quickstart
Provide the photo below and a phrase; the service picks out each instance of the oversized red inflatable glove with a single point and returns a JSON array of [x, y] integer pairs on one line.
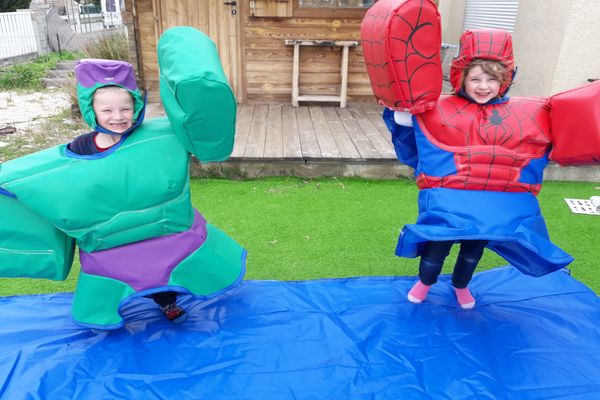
[[401, 45], [575, 126]]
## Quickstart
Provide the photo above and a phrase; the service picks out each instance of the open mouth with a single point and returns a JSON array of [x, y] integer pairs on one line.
[[120, 125]]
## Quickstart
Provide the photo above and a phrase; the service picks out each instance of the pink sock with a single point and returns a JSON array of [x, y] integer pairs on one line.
[[465, 299], [418, 293]]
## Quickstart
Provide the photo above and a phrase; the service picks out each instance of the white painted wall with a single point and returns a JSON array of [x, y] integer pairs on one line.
[[556, 43], [537, 41], [452, 13], [579, 58]]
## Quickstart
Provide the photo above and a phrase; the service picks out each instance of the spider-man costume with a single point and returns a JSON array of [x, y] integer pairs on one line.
[[479, 167]]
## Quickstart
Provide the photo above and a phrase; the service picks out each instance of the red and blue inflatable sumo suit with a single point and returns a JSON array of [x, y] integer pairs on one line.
[[479, 167]]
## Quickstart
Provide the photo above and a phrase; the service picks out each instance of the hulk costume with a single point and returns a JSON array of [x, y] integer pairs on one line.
[[128, 209]]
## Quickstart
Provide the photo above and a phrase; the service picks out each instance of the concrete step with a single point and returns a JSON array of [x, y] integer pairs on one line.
[[70, 65], [373, 169], [56, 82], [586, 173], [60, 73]]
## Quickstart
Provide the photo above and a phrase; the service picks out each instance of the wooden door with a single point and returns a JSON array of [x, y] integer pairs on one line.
[[219, 19]]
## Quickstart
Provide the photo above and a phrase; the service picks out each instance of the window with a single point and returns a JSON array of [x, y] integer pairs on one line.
[[499, 14], [336, 3], [331, 8]]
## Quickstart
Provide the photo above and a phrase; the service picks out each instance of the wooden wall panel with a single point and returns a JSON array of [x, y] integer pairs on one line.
[[210, 16], [268, 61], [147, 62]]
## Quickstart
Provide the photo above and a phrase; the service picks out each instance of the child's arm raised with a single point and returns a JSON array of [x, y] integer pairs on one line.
[[400, 125], [196, 94], [401, 43]]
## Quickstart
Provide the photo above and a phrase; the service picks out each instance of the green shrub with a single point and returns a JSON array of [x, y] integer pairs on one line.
[[70, 89], [28, 75], [110, 47], [13, 5]]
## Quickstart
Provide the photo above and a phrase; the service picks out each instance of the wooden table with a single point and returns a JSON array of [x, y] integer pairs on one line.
[[341, 98]]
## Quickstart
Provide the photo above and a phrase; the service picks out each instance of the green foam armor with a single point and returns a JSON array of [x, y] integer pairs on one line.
[[30, 247], [216, 266], [138, 192], [196, 94], [135, 191]]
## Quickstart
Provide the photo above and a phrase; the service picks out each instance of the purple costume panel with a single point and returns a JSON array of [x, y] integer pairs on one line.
[[146, 264], [93, 71]]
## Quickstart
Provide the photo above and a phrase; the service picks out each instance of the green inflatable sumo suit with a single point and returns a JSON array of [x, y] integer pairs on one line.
[[128, 208]]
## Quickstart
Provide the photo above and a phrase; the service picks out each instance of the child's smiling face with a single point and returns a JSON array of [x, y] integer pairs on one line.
[[114, 110], [480, 86]]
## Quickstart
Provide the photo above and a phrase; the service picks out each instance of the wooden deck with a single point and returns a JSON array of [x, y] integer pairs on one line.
[[310, 141], [279, 139]]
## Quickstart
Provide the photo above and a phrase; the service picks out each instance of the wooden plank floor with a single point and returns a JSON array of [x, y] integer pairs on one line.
[[310, 141], [279, 139], [283, 132]]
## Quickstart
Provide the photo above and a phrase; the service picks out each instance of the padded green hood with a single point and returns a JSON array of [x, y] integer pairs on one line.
[[92, 74]]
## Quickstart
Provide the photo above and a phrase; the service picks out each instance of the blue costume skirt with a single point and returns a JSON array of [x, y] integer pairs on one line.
[[511, 222]]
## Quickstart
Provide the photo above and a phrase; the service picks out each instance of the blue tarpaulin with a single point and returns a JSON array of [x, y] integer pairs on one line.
[[354, 338]]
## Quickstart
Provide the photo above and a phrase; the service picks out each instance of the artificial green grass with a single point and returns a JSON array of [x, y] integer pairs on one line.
[[296, 229]]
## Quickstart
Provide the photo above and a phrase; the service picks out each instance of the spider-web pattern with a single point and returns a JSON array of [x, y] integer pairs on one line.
[[491, 143], [401, 45]]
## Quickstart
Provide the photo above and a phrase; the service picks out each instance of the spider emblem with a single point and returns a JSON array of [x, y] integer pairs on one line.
[[496, 119], [496, 131]]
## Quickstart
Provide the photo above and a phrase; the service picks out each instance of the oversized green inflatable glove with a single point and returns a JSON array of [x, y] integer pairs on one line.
[[196, 94]]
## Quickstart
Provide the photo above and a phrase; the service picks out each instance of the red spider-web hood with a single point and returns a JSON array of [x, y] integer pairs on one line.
[[489, 44]]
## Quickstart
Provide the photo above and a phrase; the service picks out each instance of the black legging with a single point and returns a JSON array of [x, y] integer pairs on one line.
[[434, 254], [163, 298]]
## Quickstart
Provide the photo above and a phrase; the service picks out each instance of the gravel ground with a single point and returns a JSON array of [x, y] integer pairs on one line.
[[31, 121], [27, 110]]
